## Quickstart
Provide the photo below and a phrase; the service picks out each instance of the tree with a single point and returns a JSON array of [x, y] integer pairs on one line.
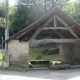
[[28, 11], [2, 18], [72, 9], [2, 8], [6, 26], [25, 12]]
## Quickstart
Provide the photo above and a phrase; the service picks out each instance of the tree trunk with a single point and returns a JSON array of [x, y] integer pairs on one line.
[[5, 62], [6, 25]]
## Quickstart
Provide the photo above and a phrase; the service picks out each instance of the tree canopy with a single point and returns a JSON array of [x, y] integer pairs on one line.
[[25, 12]]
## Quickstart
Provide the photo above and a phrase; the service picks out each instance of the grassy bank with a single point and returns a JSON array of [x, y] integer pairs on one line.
[[38, 52]]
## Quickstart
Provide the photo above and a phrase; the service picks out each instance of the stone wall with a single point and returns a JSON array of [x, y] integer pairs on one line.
[[5, 61], [18, 53], [70, 53]]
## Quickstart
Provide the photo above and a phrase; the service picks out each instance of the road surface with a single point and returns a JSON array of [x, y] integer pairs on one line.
[[71, 74]]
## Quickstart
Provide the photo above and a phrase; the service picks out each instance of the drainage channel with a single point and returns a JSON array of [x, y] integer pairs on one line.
[[43, 68], [45, 65]]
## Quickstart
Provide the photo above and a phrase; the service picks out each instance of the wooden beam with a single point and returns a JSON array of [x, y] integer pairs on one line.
[[72, 26], [44, 41], [39, 30], [23, 33], [66, 25], [48, 31], [27, 30], [55, 28], [55, 23]]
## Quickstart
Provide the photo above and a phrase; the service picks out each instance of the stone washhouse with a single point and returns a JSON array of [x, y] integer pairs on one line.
[[54, 27]]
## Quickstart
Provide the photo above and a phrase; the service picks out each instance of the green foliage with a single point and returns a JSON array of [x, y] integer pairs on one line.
[[1, 56], [72, 9], [2, 18], [23, 15], [55, 57], [2, 8], [2, 23], [12, 16]]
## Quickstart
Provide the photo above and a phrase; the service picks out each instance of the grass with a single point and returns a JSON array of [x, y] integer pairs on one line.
[[37, 51], [51, 57], [14, 68], [1, 55]]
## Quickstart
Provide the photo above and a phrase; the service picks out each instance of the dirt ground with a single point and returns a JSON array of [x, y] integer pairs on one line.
[[71, 74]]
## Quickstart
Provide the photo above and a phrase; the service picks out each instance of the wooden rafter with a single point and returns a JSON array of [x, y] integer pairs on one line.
[[66, 25], [55, 28], [39, 30], [23, 34]]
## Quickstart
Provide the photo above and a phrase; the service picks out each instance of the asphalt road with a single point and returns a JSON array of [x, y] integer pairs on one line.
[[71, 74]]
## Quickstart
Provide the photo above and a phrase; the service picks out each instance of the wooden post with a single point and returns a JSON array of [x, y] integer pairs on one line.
[[55, 23]]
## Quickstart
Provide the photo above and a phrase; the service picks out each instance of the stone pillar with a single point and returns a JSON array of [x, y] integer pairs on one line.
[[70, 53], [18, 53]]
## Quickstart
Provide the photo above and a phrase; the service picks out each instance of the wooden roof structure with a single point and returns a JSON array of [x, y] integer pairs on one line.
[[55, 26]]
